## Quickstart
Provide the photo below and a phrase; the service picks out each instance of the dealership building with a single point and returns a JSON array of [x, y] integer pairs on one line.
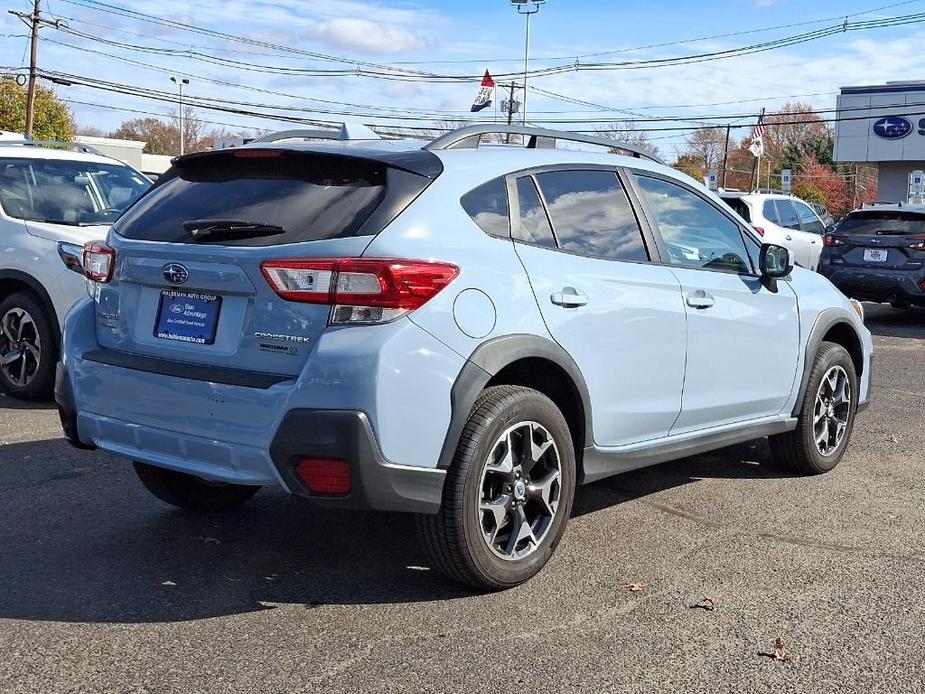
[[884, 125]]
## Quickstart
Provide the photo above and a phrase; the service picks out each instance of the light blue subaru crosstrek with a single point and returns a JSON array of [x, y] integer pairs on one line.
[[458, 331]]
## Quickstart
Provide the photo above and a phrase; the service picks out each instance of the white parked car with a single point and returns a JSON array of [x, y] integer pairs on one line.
[[52, 200], [782, 219]]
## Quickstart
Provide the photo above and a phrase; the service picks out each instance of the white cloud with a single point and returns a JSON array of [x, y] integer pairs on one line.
[[351, 34]]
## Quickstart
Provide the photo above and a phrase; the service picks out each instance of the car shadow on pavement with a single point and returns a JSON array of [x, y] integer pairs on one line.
[[885, 321], [749, 460], [6, 402], [83, 542]]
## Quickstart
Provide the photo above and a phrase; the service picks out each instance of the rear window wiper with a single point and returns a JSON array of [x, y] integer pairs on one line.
[[213, 229]]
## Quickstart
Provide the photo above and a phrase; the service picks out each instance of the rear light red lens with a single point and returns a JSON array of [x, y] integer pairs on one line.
[[99, 261], [830, 240], [760, 231], [362, 290], [329, 476]]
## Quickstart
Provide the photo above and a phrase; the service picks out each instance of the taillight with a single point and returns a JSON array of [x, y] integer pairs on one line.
[[329, 476], [830, 240], [360, 290], [918, 243], [760, 231], [99, 261]]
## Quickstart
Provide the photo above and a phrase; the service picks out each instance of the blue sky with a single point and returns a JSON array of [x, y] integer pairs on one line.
[[489, 34]]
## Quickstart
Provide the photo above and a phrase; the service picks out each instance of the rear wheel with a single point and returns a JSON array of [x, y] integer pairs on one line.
[[191, 492], [826, 417], [28, 347], [508, 493]]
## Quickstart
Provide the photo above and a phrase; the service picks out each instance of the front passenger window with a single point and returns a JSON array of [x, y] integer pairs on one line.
[[808, 219], [696, 234]]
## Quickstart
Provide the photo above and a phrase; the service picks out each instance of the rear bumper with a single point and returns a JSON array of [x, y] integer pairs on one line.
[[211, 423], [877, 285], [376, 484]]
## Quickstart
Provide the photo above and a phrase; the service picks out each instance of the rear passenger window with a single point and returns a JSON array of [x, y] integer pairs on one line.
[[770, 212], [488, 207], [787, 214], [696, 234], [591, 214], [534, 225]]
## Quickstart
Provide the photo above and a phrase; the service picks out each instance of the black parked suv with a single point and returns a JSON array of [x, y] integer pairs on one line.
[[878, 254]]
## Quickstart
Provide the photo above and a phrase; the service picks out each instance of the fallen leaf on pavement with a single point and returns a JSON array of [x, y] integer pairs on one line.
[[781, 654], [168, 583], [209, 540], [635, 587]]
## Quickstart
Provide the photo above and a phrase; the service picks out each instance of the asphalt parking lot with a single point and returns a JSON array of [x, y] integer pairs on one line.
[[103, 588]]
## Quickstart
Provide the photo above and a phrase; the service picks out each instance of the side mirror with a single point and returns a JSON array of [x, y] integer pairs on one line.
[[774, 261]]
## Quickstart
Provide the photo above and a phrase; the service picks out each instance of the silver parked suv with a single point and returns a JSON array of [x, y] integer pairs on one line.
[[464, 332]]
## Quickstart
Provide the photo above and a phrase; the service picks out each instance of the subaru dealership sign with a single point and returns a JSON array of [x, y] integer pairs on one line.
[[881, 123]]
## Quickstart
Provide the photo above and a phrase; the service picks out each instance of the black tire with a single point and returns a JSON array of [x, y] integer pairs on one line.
[[453, 538], [41, 382], [797, 450], [190, 492]]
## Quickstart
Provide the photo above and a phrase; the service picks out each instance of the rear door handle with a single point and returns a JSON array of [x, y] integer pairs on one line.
[[700, 299], [569, 297]]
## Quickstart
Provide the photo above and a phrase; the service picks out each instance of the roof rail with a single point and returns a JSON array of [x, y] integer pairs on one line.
[[76, 146], [347, 131], [468, 137]]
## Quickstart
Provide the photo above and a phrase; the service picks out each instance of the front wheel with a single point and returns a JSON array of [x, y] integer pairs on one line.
[[508, 493], [826, 417], [190, 492], [28, 347]]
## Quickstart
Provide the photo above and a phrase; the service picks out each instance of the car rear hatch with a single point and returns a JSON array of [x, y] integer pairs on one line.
[[879, 239], [189, 282]]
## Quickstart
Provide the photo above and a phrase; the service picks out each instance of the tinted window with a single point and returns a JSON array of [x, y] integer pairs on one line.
[[311, 196], [534, 225], [592, 215], [487, 205], [874, 222], [696, 234], [769, 212], [740, 207], [67, 192], [808, 219], [787, 214]]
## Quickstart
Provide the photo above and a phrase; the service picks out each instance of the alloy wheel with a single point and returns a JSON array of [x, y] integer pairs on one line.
[[832, 410], [520, 489], [20, 347]]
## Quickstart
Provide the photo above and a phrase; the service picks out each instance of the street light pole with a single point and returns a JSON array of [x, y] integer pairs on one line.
[[180, 82], [524, 9]]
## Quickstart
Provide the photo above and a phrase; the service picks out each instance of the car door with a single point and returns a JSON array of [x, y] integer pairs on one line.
[[794, 238], [617, 314], [742, 337], [812, 228]]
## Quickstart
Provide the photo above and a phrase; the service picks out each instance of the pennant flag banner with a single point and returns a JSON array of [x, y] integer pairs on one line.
[[486, 92]]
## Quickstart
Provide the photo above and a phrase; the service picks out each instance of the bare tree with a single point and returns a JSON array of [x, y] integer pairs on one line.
[[630, 133], [706, 145]]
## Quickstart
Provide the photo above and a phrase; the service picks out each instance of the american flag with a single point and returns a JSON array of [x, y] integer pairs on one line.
[[757, 145]]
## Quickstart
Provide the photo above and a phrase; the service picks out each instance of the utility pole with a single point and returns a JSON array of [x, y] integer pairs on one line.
[[726, 152], [35, 22], [180, 81], [511, 107]]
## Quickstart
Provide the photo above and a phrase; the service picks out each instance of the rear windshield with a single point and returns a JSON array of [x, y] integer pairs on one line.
[[873, 222], [302, 196], [738, 205], [67, 192]]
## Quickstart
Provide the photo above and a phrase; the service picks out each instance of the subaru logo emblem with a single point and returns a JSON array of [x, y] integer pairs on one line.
[[175, 273], [892, 128]]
